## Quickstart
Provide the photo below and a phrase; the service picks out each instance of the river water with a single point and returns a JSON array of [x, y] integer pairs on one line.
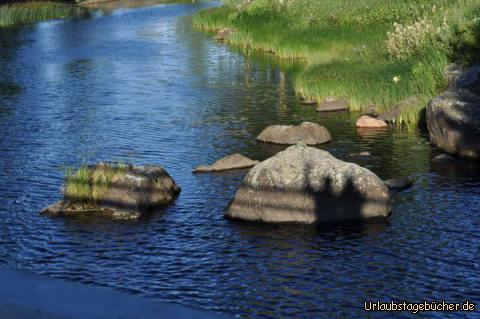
[[139, 85]]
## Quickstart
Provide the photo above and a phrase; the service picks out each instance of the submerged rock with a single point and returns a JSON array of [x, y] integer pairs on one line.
[[399, 184], [129, 193], [330, 105], [308, 133], [307, 185], [366, 121], [453, 117], [231, 162]]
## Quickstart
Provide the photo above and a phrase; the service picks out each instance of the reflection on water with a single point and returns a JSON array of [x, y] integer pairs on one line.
[[138, 85]]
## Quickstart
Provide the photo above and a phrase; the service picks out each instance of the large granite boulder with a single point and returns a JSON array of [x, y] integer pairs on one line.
[[306, 185], [230, 162], [453, 117], [308, 133], [118, 193]]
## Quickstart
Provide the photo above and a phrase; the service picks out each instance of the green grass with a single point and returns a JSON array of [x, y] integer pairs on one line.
[[28, 12], [342, 46], [88, 184]]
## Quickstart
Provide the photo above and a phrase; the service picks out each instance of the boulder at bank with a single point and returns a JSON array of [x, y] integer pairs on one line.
[[231, 162], [453, 117], [117, 192], [331, 105], [308, 133], [366, 121], [306, 185]]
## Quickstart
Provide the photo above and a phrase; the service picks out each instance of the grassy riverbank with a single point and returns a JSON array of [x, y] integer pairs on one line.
[[31, 11], [373, 52]]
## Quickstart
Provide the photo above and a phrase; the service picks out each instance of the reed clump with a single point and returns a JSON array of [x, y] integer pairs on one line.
[[31, 11], [87, 184]]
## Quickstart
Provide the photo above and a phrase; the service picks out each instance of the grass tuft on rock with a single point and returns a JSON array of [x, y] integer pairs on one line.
[[372, 52], [27, 12], [87, 184]]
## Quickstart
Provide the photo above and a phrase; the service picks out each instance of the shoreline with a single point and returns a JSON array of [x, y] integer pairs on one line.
[[27, 295], [347, 55]]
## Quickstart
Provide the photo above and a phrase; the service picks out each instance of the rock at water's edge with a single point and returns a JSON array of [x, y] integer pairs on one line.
[[333, 105], [307, 185], [223, 34]]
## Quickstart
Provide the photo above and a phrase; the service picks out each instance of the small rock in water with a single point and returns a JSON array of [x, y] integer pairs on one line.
[[308, 101], [399, 184], [308, 133], [330, 105], [369, 122], [443, 158], [231, 162], [360, 154]]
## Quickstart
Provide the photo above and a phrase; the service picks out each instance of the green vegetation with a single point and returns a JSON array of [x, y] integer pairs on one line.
[[27, 12], [373, 52], [88, 184]]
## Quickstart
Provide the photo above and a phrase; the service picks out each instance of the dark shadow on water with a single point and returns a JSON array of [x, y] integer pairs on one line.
[[327, 231], [456, 170], [9, 89]]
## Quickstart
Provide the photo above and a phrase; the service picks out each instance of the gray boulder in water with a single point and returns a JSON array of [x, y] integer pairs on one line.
[[453, 117], [308, 133], [307, 185]]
